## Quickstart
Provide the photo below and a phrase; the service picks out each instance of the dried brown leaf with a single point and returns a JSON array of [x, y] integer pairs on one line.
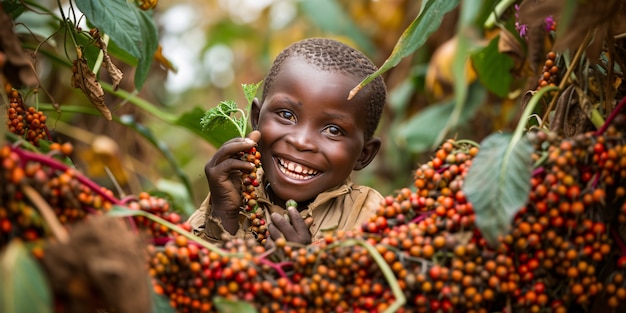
[[85, 79], [510, 46], [18, 68], [114, 72]]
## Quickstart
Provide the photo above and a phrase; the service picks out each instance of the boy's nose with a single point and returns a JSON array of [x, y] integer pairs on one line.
[[302, 140]]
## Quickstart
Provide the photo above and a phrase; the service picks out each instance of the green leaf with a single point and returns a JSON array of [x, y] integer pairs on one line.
[[229, 306], [221, 115], [121, 54], [117, 19], [250, 91], [421, 132], [216, 137], [24, 286], [149, 44], [498, 182], [160, 303], [493, 68], [416, 34], [13, 8]]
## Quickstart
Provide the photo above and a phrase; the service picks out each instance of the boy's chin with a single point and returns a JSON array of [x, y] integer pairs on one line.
[[290, 194]]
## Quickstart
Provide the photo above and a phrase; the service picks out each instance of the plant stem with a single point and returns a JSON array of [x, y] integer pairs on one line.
[[125, 211], [143, 104]]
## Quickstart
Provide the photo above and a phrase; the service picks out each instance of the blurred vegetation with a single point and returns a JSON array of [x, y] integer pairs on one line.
[[454, 69]]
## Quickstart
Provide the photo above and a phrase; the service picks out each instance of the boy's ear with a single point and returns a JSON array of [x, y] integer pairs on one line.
[[255, 111], [370, 149]]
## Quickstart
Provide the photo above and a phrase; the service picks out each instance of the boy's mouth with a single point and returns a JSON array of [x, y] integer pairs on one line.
[[295, 170]]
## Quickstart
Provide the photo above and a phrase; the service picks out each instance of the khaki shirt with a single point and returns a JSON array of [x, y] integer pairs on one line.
[[345, 207]]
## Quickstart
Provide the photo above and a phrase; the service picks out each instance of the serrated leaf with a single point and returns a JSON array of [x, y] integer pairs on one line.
[[498, 182], [218, 137], [250, 91], [493, 68], [24, 286], [229, 306], [219, 115]]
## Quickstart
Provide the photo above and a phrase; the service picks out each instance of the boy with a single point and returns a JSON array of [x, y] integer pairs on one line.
[[310, 138]]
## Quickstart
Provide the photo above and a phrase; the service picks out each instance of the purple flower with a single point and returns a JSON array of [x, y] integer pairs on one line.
[[522, 29], [549, 23]]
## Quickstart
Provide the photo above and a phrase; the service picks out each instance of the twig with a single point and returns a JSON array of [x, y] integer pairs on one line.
[[58, 231], [565, 80]]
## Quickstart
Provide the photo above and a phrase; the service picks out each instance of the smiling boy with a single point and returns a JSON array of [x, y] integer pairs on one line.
[[311, 138]]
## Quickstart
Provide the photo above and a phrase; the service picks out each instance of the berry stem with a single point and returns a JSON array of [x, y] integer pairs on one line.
[[618, 240], [278, 267], [611, 117]]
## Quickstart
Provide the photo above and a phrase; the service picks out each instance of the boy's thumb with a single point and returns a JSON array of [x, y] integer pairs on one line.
[[255, 135]]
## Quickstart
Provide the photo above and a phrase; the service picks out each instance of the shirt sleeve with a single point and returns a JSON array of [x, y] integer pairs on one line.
[[210, 228]]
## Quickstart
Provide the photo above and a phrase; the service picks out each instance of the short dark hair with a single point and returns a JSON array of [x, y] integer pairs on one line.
[[329, 54]]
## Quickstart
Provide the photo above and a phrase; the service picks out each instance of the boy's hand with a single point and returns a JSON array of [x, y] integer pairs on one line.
[[224, 171], [296, 229]]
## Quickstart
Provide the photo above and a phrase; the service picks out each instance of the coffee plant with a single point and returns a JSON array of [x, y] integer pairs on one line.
[[420, 252], [528, 221]]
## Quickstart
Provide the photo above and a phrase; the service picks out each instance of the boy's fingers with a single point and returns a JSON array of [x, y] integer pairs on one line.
[[254, 135], [274, 232], [296, 220]]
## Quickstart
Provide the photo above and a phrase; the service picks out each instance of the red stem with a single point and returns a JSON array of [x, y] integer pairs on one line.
[[420, 217], [538, 171], [611, 117], [26, 156], [618, 241], [278, 267]]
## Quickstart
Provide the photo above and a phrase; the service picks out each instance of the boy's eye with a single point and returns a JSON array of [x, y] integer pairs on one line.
[[287, 115], [333, 130]]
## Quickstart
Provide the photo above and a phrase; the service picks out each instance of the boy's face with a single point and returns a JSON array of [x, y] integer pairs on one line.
[[312, 137]]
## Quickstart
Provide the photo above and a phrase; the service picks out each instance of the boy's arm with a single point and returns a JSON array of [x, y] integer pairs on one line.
[[210, 228]]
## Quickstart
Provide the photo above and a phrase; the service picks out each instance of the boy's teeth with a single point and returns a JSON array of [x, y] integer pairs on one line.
[[296, 170]]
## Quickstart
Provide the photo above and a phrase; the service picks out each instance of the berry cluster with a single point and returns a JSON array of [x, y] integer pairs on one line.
[[159, 207], [25, 122], [69, 194], [420, 252], [251, 209], [550, 72]]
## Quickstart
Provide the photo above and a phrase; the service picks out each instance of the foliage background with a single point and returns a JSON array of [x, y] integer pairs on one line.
[[214, 47]]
